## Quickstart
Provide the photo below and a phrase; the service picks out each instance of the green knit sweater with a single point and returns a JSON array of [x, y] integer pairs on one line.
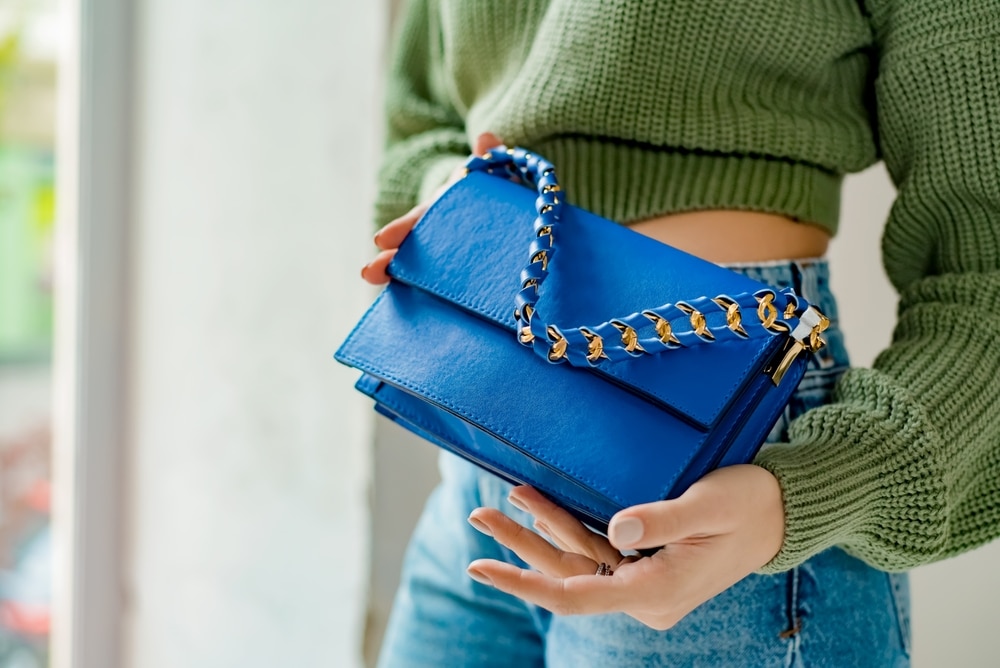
[[655, 107]]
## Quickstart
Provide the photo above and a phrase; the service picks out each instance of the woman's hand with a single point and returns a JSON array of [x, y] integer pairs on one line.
[[726, 526], [391, 236]]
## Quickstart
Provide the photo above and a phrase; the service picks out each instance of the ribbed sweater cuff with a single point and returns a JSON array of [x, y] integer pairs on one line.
[[648, 181], [866, 474], [413, 169]]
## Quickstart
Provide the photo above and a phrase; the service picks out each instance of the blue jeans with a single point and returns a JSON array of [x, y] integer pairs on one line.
[[833, 610]]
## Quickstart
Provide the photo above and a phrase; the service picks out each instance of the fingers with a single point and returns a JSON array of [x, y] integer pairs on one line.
[[565, 529], [485, 142], [375, 272], [392, 235], [577, 595], [716, 504], [655, 524], [529, 546]]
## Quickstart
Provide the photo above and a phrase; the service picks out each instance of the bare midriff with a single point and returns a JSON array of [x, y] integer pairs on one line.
[[725, 236]]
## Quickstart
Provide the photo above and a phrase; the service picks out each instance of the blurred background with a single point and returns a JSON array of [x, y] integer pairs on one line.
[[186, 477]]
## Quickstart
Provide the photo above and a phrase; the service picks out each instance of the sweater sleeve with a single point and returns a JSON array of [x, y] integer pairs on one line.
[[904, 467], [425, 137]]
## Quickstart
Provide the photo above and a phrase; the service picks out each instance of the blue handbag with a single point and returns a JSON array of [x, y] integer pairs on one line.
[[561, 350]]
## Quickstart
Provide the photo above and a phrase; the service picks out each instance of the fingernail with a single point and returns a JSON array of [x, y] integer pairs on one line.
[[479, 577], [517, 503], [625, 532], [542, 529], [481, 527], [378, 235], [364, 269]]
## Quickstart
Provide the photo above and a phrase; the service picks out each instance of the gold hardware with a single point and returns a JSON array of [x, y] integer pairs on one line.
[[526, 335], [768, 314], [544, 257], [698, 322], [551, 189], [790, 310], [734, 316], [543, 231], [663, 329], [791, 354], [545, 209], [595, 346], [488, 155], [766, 310], [815, 340], [528, 312], [559, 344], [796, 347], [530, 283], [630, 338]]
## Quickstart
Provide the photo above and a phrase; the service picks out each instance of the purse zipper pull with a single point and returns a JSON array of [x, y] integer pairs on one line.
[[805, 337]]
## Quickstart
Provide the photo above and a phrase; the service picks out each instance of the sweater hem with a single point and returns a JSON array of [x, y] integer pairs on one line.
[[648, 182]]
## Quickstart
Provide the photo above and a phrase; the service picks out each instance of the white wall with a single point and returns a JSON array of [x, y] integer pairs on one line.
[[255, 137]]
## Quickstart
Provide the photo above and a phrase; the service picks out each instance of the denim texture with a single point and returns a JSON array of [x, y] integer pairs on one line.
[[831, 611]]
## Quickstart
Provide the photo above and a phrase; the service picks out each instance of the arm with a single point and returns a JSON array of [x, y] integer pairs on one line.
[[904, 468], [426, 136]]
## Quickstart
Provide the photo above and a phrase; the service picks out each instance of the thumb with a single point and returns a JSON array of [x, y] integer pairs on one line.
[[485, 142], [653, 525]]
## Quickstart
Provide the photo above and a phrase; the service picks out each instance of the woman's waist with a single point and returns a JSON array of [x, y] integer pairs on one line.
[[728, 236]]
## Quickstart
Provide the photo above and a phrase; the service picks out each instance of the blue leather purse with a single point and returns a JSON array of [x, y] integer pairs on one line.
[[561, 350]]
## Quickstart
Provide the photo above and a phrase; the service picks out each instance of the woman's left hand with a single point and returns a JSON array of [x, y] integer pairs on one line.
[[726, 526]]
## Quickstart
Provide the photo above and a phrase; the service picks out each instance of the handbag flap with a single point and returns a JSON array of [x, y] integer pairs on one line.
[[470, 248]]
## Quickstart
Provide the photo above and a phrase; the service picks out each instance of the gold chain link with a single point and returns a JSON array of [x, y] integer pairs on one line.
[[663, 328], [698, 322], [595, 346], [630, 338], [559, 344], [542, 255], [734, 316], [767, 311]]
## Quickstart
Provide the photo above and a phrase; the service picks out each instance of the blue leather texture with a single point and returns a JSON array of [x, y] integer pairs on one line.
[[474, 260], [440, 355]]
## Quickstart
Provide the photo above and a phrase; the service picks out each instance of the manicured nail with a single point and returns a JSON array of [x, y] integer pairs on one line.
[[364, 269], [480, 526], [626, 532], [378, 235], [480, 577], [517, 503]]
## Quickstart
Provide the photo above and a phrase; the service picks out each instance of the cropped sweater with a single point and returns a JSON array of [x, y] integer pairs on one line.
[[655, 107]]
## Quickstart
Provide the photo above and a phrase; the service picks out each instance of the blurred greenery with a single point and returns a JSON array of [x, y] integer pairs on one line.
[[27, 200]]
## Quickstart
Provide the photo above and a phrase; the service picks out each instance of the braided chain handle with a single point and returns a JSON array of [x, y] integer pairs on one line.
[[669, 326]]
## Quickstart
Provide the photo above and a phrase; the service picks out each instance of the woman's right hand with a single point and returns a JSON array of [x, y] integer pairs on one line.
[[391, 236]]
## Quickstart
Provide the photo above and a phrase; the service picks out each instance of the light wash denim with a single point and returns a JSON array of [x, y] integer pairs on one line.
[[833, 610]]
